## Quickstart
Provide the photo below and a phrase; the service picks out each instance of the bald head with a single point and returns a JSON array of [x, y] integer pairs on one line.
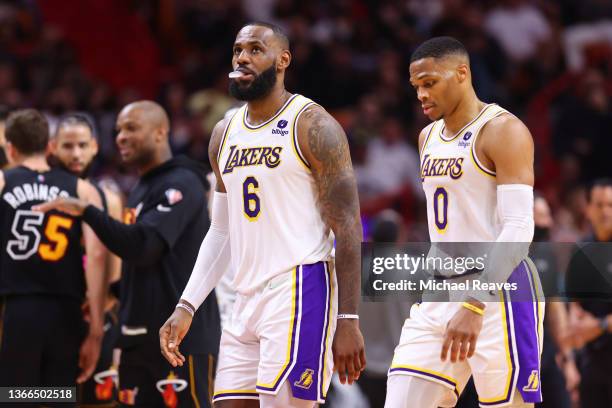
[[151, 112], [142, 138]]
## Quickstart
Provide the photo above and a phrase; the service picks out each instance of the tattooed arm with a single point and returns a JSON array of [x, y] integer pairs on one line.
[[324, 145]]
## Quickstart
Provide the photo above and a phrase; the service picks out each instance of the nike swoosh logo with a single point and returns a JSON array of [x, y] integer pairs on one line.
[[163, 208]]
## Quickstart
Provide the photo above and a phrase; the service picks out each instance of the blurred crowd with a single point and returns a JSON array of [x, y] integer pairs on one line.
[[547, 61]]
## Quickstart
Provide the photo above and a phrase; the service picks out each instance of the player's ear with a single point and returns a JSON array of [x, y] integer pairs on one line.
[[283, 60], [161, 134], [11, 153], [94, 145], [462, 73]]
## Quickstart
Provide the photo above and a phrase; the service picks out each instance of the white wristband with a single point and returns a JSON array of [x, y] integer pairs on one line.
[[187, 308], [348, 316]]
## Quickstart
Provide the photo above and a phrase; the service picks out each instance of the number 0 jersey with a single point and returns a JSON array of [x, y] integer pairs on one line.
[[41, 253], [461, 193], [274, 220]]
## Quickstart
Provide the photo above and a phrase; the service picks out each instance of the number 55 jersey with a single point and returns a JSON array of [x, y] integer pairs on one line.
[[274, 219], [41, 253]]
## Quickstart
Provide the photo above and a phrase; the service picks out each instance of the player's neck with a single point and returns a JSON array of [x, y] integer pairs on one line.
[[465, 112], [260, 110], [160, 158], [36, 163]]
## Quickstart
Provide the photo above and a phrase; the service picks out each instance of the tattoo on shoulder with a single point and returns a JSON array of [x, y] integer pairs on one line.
[[327, 141], [336, 186]]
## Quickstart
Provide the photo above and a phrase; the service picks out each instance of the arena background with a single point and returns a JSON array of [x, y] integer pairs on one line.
[[548, 62]]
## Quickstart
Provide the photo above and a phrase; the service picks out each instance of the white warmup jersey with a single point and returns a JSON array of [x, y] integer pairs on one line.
[[462, 207], [274, 221], [461, 193]]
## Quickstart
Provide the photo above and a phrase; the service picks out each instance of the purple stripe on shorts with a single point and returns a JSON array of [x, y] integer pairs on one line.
[[322, 391], [523, 304], [526, 323], [306, 375]]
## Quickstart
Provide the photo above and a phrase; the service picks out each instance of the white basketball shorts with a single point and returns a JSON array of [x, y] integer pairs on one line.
[[282, 332]]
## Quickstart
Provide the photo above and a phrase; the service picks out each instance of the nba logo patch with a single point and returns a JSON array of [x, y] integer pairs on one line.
[[281, 124], [173, 196]]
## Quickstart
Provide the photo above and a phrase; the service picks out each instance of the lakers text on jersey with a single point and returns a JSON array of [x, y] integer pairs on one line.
[[270, 194]]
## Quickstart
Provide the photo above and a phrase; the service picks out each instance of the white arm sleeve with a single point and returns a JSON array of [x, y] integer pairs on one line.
[[214, 256], [515, 208]]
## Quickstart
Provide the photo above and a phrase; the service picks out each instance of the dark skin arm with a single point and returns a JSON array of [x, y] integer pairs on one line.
[[324, 145]]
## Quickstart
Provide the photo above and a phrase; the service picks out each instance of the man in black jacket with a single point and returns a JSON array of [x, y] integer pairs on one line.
[[589, 284], [166, 222]]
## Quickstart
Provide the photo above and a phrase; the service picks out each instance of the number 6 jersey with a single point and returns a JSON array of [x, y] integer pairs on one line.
[[41, 253], [274, 220], [461, 193]]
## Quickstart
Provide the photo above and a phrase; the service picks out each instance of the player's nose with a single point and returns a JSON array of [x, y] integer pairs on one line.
[[422, 95], [243, 58], [121, 138]]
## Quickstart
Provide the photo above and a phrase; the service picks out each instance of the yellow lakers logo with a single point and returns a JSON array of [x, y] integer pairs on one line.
[[534, 382], [305, 379]]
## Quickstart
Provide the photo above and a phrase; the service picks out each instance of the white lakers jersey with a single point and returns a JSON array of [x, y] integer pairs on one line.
[[461, 193], [274, 220]]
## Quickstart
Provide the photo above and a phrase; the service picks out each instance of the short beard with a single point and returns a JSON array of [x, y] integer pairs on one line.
[[55, 162], [260, 87]]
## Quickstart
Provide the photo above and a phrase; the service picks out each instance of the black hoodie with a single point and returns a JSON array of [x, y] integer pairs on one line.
[[168, 219]]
